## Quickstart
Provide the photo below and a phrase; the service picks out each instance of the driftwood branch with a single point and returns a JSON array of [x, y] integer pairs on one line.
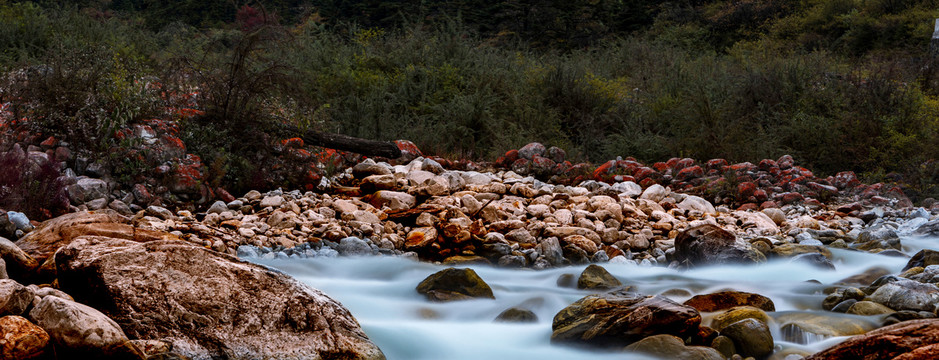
[[365, 147]]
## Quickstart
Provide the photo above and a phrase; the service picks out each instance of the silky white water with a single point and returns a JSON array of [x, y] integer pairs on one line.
[[380, 293]]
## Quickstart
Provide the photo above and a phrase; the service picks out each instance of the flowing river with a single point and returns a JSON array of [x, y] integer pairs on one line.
[[380, 293]]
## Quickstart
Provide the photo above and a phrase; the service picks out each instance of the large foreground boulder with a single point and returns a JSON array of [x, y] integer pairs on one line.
[[709, 244], [619, 318], [55, 233], [915, 339], [207, 304]]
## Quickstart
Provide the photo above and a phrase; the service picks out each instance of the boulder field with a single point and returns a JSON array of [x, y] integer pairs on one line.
[[163, 282]]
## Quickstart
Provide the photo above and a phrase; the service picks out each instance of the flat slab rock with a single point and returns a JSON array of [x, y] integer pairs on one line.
[[207, 304]]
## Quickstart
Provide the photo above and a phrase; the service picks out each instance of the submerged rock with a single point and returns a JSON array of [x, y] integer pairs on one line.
[[595, 277], [207, 304], [454, 284], [619, 318], [517, 315]]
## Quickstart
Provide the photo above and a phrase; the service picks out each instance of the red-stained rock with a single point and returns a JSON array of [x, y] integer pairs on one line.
[[141, 194], [767, 165], [530, 150], [745, 190], [186, 177], [643, 173], [729, 299], [716, 164], [791, 198], [660, 166], [822, 190], [295, 143], [748, 206], [601, 171], [683, 163], [49, 143], [846, 180], [784, 162], [760, 195], [688, 173], [908, 340], [409, 150], [224, 195]]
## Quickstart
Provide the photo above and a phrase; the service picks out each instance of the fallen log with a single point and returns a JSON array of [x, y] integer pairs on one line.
[[365, 147]]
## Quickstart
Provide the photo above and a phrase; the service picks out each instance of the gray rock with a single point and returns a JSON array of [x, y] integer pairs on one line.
[[248, 251], [208, 304], [217, 207], [121, 207], [87, 189], [14, 298], [512, 261], [353, 246], [160, 212], [394, 200], [550, 248], [272, 201], [654, 193], [76, 327], [20, 221], [97, 204], [905, 294], [627, 188]]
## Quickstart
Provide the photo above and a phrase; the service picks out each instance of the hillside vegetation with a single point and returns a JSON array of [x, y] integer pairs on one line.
[[840, 85]]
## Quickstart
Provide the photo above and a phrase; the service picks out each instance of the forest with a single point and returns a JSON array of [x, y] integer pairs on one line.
[[840, 85]]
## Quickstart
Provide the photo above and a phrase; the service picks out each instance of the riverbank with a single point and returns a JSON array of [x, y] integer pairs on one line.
[[498, 220]]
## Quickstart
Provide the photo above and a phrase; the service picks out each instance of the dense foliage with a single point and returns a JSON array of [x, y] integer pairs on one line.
[[840, 85]]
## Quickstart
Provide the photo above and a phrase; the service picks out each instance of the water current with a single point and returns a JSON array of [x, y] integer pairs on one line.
[[380, 293]]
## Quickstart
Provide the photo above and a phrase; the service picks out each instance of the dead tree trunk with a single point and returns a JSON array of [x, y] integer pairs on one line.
[[365, 147]]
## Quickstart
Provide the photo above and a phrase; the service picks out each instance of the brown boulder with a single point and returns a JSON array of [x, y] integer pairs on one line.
[[454, 284], [18, 264], [208, 304], [923, 258], [908, 340], [709, 244], [595, 277], [619, 318], [728, 299], [58, 232], [21, 339]]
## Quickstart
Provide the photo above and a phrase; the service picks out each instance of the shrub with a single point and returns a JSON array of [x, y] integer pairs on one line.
[[31, 186]]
